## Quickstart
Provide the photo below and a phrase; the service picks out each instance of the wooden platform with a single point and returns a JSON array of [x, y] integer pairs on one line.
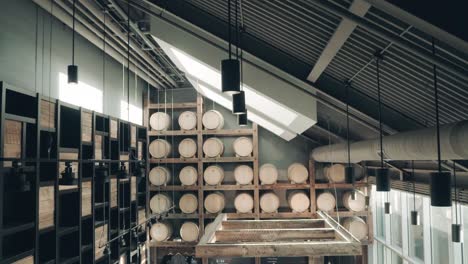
[[322, 236]]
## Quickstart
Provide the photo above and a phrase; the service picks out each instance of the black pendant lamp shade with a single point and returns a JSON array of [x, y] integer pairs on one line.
[[387, 208], [72, 74], [382, 179], [102, 173], [242, 119], [456, 233], [73, 69], [414, 218], [230, 76], [68, 176], [441, 191], [238, 103], [122, 173], [349, 174]]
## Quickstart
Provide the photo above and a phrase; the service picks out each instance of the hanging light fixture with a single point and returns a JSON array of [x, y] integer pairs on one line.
[[382, 173], [414, 213], [230, 72], [349, 170], [242, 119], [441, 189], [387, 207], [73, 69], [238, 99], [456, 228]]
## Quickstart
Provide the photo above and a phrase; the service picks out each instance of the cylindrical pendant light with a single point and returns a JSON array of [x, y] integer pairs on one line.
[[456, 227], [349, 171], [441, 191], [383, 176], [387, 208], [414, 213], [230, 68], [72, 70], [242, 119], [238, 103]]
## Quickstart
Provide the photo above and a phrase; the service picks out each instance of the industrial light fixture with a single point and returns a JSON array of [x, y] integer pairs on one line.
[[19, 177], [122, 173], [238, 100], [73, 69], [441, 189], [230, 68], [68, 176], [349, 171], [414, 213], [456, 228], [102, 173], [238, 103], [242, 119], [387, 207], [382, 173]]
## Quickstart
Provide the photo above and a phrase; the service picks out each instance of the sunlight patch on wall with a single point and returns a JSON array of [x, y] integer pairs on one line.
[[81, 94]]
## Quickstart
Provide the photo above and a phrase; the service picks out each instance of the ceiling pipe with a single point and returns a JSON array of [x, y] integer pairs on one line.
[[402, 43], [112, 50], [98, 14], [413, 145]]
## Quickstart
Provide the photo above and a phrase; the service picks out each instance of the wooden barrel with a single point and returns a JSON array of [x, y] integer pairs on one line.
[[159, 176], [213, 119], [189, 231], [269, 202], [336, 172], [214, 202], [160, 203], [159, 148], [213, 147], [188, 203], [208, 226], [187, 148], [357, 205], [356, 226], [244, 202], [161, 231], [188, 120], [160, 121], [268, 174], [297, 173], [188, 175], [298, 201], [243, 146], [213, 175], [326, 201], [243, 174]]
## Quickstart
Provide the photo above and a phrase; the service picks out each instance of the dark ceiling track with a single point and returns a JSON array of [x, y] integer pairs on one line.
[[402, 43], [441, 186]]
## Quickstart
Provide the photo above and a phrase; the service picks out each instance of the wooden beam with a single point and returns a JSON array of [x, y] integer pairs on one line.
[[284, 249], [270, 235], [271, 224]]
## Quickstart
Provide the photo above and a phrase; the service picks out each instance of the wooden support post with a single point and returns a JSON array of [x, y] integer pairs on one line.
[[313, 202]]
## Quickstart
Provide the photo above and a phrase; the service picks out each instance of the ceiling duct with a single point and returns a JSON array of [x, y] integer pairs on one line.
[[413, 145]]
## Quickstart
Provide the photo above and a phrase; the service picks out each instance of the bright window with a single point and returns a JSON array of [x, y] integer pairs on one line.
[[136, 113], [81, 94], [416, 232], [395, 218]]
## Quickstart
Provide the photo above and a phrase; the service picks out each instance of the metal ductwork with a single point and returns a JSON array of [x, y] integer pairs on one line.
[[413, 145]]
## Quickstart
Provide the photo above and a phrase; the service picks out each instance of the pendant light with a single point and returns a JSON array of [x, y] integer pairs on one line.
[[349, 171], [238, 99], [73, 69], [230, 73], [441, 189], [382, 173], [414, 213], [456, 228], [242, 119]]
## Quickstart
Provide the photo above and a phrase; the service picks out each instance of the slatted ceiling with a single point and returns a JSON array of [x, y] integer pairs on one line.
[[301, 35]]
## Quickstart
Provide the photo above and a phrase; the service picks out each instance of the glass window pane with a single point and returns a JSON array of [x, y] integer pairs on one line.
[[380, 214], [440, 229], [395, 218], [416, 233], [396, 259]]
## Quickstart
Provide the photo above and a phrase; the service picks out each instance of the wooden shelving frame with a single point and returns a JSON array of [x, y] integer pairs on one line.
[[200, 188], [64, 221]]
